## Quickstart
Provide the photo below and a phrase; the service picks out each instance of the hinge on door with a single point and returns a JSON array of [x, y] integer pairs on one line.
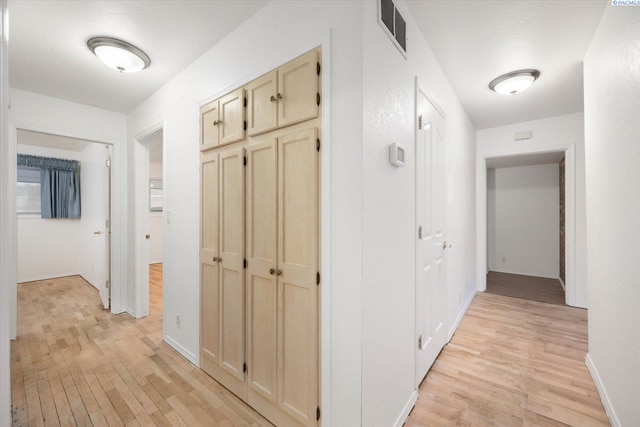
[[420, 121], [245, 102], [318, 144], [106, 223], [318, 413], [318, 68], [244, 160], [318, 278], [420, 232], [420, 342], [107, 163], [245, 125], [244, 264], [318, 98], [244, 367], [108, 284]]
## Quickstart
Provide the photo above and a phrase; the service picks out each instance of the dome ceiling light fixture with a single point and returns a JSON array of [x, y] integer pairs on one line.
[[118, 54], [514, 82]]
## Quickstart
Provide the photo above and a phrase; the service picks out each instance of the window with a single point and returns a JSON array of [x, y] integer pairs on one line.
[[28, 191]]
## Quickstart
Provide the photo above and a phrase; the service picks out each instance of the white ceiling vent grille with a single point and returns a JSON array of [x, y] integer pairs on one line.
[[393, 24]]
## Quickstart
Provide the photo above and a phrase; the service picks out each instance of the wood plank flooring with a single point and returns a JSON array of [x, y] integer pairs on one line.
[[525, 287], [76, 364], [512, 363]]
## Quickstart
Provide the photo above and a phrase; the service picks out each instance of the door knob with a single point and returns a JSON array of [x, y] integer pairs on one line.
[[445, 245], [273, 98], [272, 271], [98, 232], [147, 236]]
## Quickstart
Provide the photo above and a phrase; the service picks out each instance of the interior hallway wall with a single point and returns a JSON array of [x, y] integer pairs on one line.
[[523, 220], [551, 134], [389, 230], [611, 92], [276, 34]]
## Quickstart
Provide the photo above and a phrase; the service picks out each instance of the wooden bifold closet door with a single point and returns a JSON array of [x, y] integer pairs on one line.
[[259, 245]]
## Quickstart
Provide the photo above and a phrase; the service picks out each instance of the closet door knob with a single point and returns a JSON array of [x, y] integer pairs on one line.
[[278, 272], [272, 271], [279, 96], [215, 123], [273, 98]]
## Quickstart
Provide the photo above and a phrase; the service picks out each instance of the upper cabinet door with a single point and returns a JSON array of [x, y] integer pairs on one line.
[[298, 89], [262, 108], [232, 119], [209, 125]]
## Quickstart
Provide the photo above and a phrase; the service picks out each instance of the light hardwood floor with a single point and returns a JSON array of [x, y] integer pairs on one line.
[[76, 364], [512, 363], [525, 287]]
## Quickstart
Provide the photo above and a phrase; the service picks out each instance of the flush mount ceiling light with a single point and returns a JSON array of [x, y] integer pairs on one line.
[[118, 54], [514, 82]]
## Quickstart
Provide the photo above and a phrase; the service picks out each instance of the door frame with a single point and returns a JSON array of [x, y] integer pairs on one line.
[[117, 234], [570, 215], [141, 225]]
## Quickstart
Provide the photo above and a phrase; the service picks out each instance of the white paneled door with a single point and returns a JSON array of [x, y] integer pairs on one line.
[[105, 225], [431, 333]]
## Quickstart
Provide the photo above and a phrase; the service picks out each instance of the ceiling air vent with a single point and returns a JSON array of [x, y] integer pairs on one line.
[[393, 24]]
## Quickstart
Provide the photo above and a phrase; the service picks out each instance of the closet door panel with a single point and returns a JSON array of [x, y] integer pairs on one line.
[[298, 258], [232, 261], [232, 117], [209, 125], [262, 107], [261, 253], [209, 250], [298, 85]]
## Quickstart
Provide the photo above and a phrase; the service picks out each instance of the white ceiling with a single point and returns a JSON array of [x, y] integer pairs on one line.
[[476, 41], [48, 52], [46, 140]]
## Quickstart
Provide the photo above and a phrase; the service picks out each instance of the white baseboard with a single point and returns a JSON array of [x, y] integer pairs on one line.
[[91, 281], [519, 273], [460, 316], [406, 410], [182, 351], [45, 277], [613, 418], [562, 284]]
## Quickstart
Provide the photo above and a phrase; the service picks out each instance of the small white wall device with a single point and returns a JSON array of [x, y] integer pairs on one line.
[[396, 154]]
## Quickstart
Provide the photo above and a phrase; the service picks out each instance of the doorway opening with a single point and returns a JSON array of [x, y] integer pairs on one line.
[[526, 227], [154, 224], [150, 219], [79, 242]]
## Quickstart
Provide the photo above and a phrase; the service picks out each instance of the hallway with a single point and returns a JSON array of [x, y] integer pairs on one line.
[[512, 362]]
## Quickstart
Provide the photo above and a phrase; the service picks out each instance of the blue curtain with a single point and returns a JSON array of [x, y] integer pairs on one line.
[[59, 185]]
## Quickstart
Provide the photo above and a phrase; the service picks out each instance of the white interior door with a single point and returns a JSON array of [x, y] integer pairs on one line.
[[430, 233], [105, 282]]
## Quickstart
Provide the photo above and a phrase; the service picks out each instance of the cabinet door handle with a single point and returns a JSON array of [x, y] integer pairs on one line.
[[273, 98], [217, 122], [279, 96], [272, 271], [278, 273]]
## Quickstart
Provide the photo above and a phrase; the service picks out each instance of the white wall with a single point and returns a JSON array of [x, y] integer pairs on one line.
[[35, 112], [277, 33], [389, 231], [44, 249], [49, 248], [524, 220], [551, 134], [612, 91]]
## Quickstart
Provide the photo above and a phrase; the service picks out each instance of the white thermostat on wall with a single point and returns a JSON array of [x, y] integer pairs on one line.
[[396, 154]]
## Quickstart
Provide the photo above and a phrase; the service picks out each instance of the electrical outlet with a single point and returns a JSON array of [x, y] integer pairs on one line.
[[178, 320], [504, 259]]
